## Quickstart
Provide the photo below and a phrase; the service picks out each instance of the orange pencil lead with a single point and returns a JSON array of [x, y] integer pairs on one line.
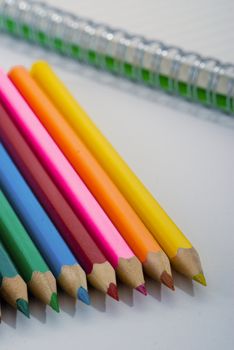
[[167, 280]]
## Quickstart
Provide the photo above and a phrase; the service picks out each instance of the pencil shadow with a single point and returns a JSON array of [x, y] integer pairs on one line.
[[67, 303], [154, 288], [183, 283], [144, 92], [9, 315], [98, 299], [37, 309], [117, 82], [125, 294]]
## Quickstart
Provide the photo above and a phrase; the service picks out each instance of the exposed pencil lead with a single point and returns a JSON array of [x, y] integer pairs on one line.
[[83, 295], [54, 302], [200, 278], [22, 305], [167, 280], [142, 289], [113, 291]]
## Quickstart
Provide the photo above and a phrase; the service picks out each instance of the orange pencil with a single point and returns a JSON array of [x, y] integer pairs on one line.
[[154, 260]]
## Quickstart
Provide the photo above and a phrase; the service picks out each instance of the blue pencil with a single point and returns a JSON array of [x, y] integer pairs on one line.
[[60, 259]]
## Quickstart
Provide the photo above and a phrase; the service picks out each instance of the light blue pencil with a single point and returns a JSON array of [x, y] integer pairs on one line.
[[42, 231]]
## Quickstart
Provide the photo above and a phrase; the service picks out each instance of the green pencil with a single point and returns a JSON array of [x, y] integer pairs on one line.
[[26, 257], [12, 287]]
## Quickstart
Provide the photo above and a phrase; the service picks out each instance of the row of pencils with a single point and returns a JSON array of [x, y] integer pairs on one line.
[[71, 210]]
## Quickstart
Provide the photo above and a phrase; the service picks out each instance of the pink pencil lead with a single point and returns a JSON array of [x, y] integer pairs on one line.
[[142, 289]]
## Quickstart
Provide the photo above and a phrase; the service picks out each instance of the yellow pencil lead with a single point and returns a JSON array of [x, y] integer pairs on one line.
[[200, 278]]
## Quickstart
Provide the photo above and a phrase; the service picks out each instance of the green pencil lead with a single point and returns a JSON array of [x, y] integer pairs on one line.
[[54, 302], [22, 305]]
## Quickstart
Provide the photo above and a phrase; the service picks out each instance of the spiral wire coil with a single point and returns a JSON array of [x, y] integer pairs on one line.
[[204, 80]]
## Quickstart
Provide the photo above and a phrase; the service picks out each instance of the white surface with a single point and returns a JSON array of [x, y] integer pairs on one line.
[[184, 154], [204, 26]]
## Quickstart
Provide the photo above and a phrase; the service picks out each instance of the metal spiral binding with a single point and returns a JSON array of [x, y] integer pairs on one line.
[[203, 80]]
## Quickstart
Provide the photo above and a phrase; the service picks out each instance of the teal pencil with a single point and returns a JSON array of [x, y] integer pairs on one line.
[[12, 287]]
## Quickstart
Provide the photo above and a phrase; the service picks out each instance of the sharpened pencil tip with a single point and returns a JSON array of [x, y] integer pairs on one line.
[[54, 302], [113, 291], [200, 278], [83, 295], [142, 289], [22, 305], [167, 280]]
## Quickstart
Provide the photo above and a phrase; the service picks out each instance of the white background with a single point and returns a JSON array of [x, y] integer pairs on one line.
[[184, 154]]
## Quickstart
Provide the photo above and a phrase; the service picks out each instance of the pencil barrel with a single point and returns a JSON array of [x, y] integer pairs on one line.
[[203, 80]]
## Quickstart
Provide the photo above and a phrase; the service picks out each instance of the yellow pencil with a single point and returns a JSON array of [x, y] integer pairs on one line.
[[180, 251]]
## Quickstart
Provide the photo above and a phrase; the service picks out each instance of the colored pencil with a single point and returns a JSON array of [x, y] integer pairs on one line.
[[59, 258], [127, 265], [178, 248], [12, 287], [26, 257], [100, 273], [154, 260]]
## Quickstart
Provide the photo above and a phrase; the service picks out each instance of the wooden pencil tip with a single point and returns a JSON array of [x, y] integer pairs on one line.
[[200, 278], [167, 280], [142, 289], [113, 291], [22, 305], [83, 295], [54, 302]]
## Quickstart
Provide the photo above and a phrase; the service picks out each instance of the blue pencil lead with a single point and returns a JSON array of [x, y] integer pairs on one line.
[[83, 295]]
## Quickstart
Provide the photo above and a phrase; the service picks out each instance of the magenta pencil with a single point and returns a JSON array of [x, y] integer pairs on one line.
[[127, 266]]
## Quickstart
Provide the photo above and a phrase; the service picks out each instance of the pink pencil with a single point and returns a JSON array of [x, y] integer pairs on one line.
[[127, 266]]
